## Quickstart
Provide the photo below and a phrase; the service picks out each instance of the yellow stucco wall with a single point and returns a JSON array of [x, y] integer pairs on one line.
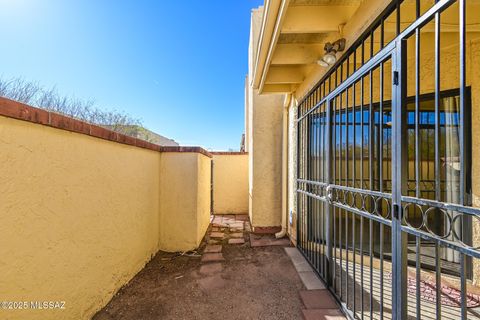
[[185, 200], [80, 216], [264, 144], [292, 171], [204, 181], [266, 159], [230, 184]]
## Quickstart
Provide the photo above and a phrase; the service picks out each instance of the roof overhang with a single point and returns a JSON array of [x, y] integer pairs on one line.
[[292, 36]]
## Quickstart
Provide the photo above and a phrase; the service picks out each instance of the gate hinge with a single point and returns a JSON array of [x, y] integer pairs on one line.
[[395, 78]]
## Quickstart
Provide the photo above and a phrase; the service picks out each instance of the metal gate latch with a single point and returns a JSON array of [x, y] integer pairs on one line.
[[328, 190]]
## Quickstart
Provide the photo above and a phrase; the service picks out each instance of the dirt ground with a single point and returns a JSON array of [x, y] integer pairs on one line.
[[254, 283]]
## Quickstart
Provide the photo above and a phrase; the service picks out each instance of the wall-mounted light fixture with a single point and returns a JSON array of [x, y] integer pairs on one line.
[[331, 50]]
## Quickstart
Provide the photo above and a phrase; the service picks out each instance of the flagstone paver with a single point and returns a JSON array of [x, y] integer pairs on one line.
[[212, 257], [217, 235], [236, 235], [265, 240], [236, 241], [213, 248], [228, 278]]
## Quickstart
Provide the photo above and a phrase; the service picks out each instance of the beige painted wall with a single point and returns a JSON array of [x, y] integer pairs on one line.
[[230, 184], [80, 216]]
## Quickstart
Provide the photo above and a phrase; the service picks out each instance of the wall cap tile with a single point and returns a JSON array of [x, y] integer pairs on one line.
[[20, 111]]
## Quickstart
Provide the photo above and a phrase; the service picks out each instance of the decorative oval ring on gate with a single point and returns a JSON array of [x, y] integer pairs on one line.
[[340, 196], [323, 191], [458, 215], [380, 204], [369, 203], [349, 199], [359, 204], [447, 218], [409, 211], [455, 235]]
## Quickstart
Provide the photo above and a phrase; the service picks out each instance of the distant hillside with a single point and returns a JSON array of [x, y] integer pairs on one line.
[[140, 132]]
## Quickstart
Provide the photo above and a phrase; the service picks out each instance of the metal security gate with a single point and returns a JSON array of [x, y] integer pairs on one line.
[[383, 184]]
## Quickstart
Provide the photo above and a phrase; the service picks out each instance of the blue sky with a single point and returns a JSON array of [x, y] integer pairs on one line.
[[179, 66]]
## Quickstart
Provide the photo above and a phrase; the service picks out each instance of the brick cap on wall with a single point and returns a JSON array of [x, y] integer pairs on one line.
[[228, 153], [17, 110]]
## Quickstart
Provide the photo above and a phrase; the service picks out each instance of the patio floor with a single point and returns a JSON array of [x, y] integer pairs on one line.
[[225, 279], [372, 296], [428, 309]]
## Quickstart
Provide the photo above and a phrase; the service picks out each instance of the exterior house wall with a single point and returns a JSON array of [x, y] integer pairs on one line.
[[249, 148], [474, 81], [230, 183], [256, 19], [292, 171], [449, 79], [266, 155], [246, 115], [368, 11], [265, 125], [80, 215]]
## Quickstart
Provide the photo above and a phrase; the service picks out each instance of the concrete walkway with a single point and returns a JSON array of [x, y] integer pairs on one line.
[[317, 300]]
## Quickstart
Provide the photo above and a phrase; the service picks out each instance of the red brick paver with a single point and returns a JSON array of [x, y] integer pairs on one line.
[[213, 248], [236, 235], [237, 225], [236, 241], [212, 257], [218, 235], [267, 240]]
